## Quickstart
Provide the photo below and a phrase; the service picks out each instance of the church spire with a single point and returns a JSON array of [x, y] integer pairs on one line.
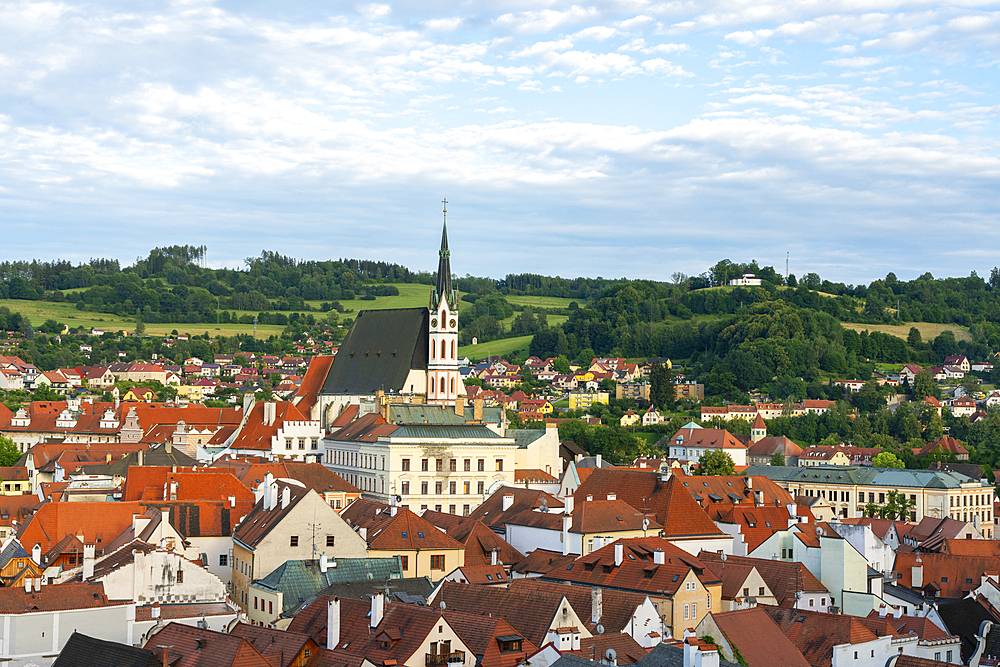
[[444, 290]]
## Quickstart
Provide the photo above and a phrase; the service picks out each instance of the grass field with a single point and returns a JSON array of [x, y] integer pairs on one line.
[[66, 313], [928, 330], [502, 346], [543, 301], [411, 295]]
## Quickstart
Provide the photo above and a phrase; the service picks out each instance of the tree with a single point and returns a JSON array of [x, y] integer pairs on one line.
[[661, 387], [9, 453], [897, 506], [913, 338], [140, 327], [778, 459], [561, 365], [923, 385], [887, 460], [715, 462]]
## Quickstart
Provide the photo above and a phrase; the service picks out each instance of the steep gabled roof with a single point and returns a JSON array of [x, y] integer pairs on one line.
[[617, 606], [491, 511], [758, 638], [782, 577], [199, 647], [83, 651], [269, 641], [815, 633], [379, 351], [312, 382], [407, 532], [256, 526], [542, 561], [478, 539]]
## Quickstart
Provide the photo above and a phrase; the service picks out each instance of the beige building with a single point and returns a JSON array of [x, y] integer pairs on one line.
[[582, 400], [936, 493], [431, 457], [288, 522]]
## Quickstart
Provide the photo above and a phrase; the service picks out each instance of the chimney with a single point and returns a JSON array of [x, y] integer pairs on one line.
[[36, 553], [567, 522], [378, 609], [269, 411], [477, 409], [332, 624], [619, 553], [881, 610], [917, 575], [232, 501], [658, 556], [749, 482], [265, 488], [600, 461], [139, 457], [88, 560], [568, 505], [38, 584], [596, 605], [460, 406], [154, 611], [699, 654], [322, 563], [286, 497], [508, 501], [169, 446], [493, 556], [27, 584]]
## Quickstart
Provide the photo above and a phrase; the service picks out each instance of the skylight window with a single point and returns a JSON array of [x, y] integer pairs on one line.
[[404, 534], [420, 535]]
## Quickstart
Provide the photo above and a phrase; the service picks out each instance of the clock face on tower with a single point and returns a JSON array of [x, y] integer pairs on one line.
[[434, 322], [451, 323]]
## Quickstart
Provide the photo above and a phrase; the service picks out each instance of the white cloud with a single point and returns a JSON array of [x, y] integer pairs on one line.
[[749, 37], [859, 61], [374, 11]]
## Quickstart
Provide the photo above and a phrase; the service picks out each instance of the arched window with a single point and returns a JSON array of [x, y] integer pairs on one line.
[[444, 349], [431, 386], [453, 385], [453, 350], [433, 350], [442, 319]]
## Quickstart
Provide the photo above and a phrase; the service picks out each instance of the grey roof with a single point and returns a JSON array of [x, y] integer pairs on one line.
[[887, 477], [379, 351], [576, 661], [84, 651], [525, 436], [412, 413], [413, 590], [154, 456], [13, 550], [663, 655], [903, 593], [301, 580], [964, 618], [439, 431]]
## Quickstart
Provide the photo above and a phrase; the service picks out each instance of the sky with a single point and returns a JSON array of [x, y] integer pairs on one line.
[[618, 138]]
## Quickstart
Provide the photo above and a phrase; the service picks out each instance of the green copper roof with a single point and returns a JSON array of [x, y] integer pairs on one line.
[[300, 580]]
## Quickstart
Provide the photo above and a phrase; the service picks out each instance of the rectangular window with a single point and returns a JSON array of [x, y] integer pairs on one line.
[[405, 465], [482, 465], [499, 465], [405, 488], [438, 488], [452, 488], [694, 611], [293, 541], [404, 562], [465, 510], [760, 591], [255, 602], [437, 562], [451, 509], [468, 465], [467, 488], [302, 443], [180, 576], [687, 612], [288, 443], [329, 540], [223, 560], [453, 465], [439, 465], [270, 610], [480, 486], [423, 488], [423, 464], [437, 508]]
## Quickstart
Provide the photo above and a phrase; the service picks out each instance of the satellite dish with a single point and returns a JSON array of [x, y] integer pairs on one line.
[[370, 577], [723, 558], [399, 499], [611, 655], [600, 629], [645, 524], [443, 605], [819, 531]]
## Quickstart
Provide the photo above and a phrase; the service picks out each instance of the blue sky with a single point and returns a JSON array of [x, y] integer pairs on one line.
[[619, 138]]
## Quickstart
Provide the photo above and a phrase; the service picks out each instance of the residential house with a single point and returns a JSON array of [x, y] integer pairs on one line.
[[691, 442], [946, 446], [742, 585], [751, 636], [629, 419], [423, 550], [651, 417], [199, 647], [289, 521], [790, 583]]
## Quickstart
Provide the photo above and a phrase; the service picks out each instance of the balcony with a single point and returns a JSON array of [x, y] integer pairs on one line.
[[443, 659]]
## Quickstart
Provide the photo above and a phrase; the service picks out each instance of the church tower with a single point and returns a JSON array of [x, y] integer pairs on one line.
[[444, 383]]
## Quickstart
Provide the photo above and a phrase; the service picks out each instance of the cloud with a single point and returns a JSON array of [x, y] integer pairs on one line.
[[749, 37], [374, 10], [858, 61]]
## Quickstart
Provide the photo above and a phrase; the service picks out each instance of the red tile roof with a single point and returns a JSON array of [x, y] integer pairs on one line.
[[258, 435], [783, 578], [199, 647], [950, 575], [815, 633], [312, 382], [153, 483], [406, 532], [617, 607], [758, 638], [55, 597]]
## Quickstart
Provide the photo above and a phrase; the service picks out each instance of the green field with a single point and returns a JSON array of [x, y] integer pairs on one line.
[[66, 313], [502, 346], [411, 295], [928, 330], [543, 301]]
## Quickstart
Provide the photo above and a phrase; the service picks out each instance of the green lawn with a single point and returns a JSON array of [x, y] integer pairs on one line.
[[411, 295], [928, 330], [544, 301], [501, 347]]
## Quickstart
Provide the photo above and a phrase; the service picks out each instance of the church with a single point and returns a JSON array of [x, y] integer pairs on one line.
[[408, 355]]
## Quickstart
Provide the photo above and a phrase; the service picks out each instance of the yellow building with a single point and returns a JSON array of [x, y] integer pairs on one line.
[[423, 550], [582, 400]]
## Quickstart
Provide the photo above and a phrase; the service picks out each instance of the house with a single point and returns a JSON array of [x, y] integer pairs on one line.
[[691, 442], [278, 428], [823, 455], [748, 279], [482, 545], [139, 394], [294, 649], [651, 417], [289, 521], [54, 612], [742, 585], [853, 386], [629, 419], [960, 361], [963, 407], [751, 636], [832, 639], [909, 372], [790, 583], [16, 565], [817, 406], [200, 647], [946, 446], [679, 584], [81, 650]]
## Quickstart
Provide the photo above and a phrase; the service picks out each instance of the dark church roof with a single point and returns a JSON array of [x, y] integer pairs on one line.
[[380, 350]]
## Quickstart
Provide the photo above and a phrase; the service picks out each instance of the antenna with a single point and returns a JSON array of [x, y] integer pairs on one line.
[[786, 266]]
